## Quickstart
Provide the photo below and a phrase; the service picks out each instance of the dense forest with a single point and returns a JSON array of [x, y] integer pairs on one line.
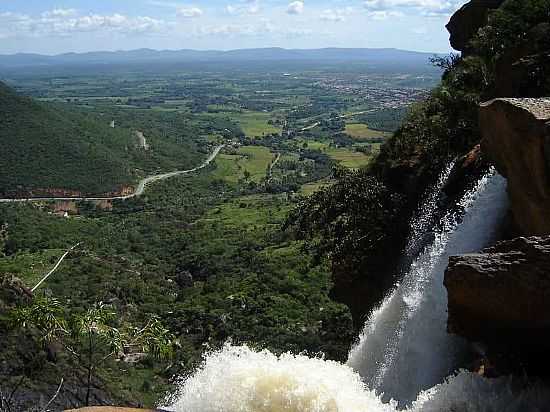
[[52, 149]]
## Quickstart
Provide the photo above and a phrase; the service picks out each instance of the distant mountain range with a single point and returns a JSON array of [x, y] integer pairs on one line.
[[375, 56]]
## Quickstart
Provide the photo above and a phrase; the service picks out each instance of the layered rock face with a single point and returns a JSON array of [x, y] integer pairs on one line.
[[516, 137], [501, 296]]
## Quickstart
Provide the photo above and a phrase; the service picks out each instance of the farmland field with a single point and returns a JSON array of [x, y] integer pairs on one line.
[[255, 124], [361, 131], [348, 158]]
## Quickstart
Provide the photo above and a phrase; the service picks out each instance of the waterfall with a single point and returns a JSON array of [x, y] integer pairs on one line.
[[404, 347], [404, 359]]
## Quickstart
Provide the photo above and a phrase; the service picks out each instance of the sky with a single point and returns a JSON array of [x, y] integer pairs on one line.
[[60, 26]]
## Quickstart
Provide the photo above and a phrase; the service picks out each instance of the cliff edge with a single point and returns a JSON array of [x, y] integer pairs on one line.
[[516, 137]]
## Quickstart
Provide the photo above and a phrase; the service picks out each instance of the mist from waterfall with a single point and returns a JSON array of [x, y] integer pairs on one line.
[[404, 359]]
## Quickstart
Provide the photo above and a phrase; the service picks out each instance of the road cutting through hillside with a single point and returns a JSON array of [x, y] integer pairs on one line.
[[138, 192]]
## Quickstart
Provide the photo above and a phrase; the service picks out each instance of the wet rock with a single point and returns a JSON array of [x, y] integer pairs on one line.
[[501, 296], [516, 138], [467, 170]]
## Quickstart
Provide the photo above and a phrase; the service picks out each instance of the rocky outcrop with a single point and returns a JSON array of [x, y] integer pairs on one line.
[[516, 137], [501, 296], [466, 22]]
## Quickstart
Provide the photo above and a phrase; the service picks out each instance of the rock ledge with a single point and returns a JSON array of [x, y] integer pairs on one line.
[[516, 137], [501, 296]]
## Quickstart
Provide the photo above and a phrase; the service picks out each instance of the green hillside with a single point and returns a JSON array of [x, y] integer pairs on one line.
[[46, 146]]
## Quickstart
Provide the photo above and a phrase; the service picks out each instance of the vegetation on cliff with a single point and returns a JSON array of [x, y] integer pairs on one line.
[[442, 127]]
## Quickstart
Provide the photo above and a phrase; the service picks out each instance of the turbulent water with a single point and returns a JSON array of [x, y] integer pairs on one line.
[[404, 359], [405, 347]]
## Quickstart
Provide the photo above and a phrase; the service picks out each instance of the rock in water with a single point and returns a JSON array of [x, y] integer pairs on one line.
[[516, 137]]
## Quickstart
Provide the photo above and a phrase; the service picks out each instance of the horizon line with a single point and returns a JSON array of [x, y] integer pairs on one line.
[[225, 50]]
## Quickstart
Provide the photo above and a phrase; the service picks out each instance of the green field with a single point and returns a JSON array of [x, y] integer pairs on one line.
[[227, 168], [361, 131], [348, 157], [254, 159], [254, 124], [30, 267], [251, 212], [312, 187]]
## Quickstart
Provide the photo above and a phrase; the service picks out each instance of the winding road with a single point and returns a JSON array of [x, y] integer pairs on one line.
[[138, 192]]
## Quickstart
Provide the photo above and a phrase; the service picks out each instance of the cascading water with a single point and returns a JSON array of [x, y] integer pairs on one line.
[[404, 347], [404, 356]]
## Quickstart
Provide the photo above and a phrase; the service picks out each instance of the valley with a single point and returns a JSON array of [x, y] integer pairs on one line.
[[201, 244], [275, 229]]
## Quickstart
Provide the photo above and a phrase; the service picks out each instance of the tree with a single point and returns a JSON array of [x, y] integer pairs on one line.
[[90, 338]]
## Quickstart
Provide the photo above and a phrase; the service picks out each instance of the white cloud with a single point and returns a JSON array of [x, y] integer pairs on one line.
[[422, 7], [59, 13], [65, 22], [250, 7], [296, 7], [384, 14], [261, 30], [190, 12], [336, 15]]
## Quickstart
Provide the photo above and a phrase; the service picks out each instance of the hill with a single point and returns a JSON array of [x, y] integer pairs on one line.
[[50, 149], [374, 56]]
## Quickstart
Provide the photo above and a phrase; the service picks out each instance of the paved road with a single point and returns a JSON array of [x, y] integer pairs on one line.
[[139, 191]]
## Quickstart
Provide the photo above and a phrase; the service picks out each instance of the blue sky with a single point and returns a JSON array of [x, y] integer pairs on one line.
[[58, 26]]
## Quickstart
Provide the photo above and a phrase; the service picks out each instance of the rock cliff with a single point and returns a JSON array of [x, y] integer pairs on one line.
[[516, 137], [465, 23], [504, 289]]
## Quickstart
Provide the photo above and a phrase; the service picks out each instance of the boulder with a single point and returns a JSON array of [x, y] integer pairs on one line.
[[501, 296], [466, 22], [516, 138]]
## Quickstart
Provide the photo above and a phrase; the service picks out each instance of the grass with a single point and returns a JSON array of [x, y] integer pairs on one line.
[[348, 157], [30, 267], [254, 159], [361, 131], [250, 212], [254, 124], [227, 168], [317, 145], [310, 188]]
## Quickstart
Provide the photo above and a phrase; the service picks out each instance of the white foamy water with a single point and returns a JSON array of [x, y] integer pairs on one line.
[[404, 359], [238, 379], [405, 347]]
